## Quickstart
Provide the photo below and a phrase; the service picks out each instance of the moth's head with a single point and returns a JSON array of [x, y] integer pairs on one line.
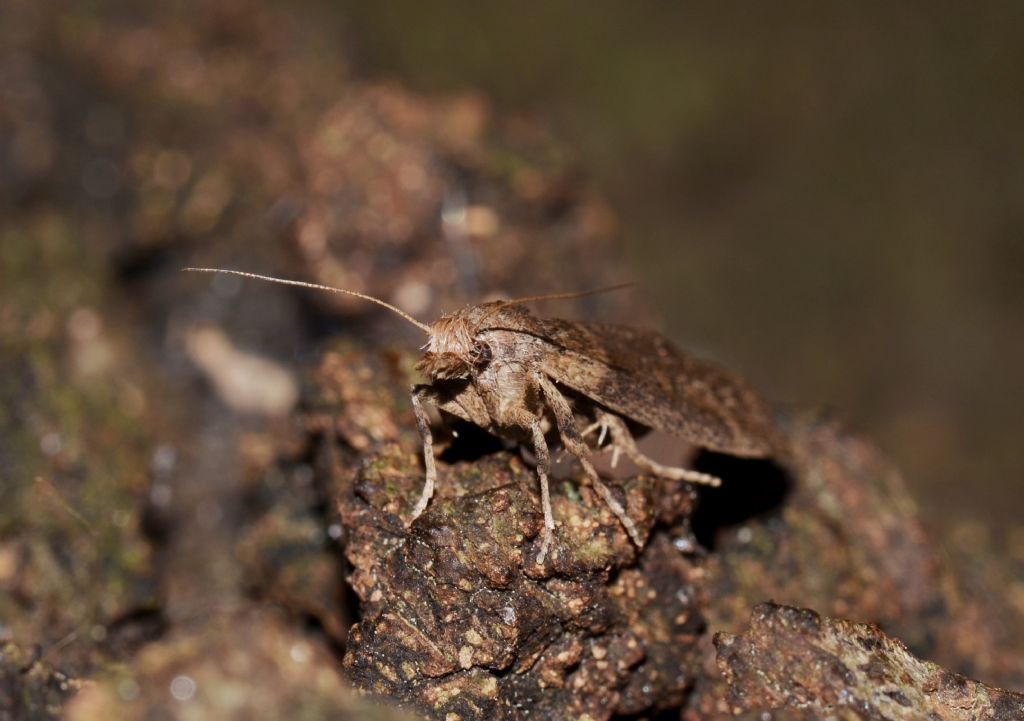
[[453, 350]]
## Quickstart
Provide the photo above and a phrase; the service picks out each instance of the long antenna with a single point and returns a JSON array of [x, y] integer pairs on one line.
[[553, 296], [315, 286], [566, 296]]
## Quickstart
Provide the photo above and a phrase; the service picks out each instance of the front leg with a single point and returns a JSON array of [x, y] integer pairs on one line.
[[419, 394], [573, 442]]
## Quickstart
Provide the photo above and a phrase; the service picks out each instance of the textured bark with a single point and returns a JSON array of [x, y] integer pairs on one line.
[[456, 619], [833, 668]]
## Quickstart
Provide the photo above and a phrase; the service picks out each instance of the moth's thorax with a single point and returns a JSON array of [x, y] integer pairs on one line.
[[464, 343]]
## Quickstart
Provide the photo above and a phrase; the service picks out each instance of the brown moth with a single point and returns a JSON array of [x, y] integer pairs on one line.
[[507, 371]]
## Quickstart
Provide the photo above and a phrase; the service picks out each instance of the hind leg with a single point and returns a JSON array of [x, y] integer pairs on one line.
[[573, 442], [623, 441], [540, 449], [526, 420]]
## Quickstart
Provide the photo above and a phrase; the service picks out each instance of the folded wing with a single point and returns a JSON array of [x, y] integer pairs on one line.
[[641, 376]]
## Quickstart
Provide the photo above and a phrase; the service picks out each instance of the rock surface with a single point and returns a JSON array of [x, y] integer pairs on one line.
[[832, 668], [457, 618]]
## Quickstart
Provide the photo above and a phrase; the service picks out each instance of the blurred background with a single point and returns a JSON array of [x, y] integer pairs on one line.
[[824, 197]]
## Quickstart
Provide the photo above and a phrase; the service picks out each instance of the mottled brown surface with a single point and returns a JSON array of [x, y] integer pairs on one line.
[[792, 657], [238, 667], [841, 533], [847, 541], [290, 558], [433, 203], [77, 439], [31, 689], [840, 714], [989, 634], [139, 508], [456, 618]]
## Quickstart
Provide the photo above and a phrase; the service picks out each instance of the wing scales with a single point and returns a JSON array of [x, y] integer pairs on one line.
[[640, 375]]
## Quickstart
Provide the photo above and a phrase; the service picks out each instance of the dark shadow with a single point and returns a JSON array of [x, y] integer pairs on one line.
[[469, 442], [157, 524], [668, 714], [136, 265], [314, 626], [751, 488], [132, 630]]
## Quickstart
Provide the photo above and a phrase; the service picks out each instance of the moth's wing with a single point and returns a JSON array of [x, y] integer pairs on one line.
[[640, 375]]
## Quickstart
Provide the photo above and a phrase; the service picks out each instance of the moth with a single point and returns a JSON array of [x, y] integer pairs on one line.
[[501, 368]]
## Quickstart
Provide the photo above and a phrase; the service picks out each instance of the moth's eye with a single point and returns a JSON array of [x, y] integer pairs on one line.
[[481, 353]]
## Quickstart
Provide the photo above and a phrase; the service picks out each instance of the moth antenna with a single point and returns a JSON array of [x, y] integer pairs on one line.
[[315, 286], [554, 296], [567, 296]]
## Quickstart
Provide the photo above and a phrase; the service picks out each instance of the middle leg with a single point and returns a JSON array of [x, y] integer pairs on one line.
[[526, 420], [574, 443]]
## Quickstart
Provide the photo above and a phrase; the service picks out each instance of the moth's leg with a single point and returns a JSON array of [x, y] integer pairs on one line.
[[596, 426], [623, 440], [573, 442], [420, 394], [540, 450]]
